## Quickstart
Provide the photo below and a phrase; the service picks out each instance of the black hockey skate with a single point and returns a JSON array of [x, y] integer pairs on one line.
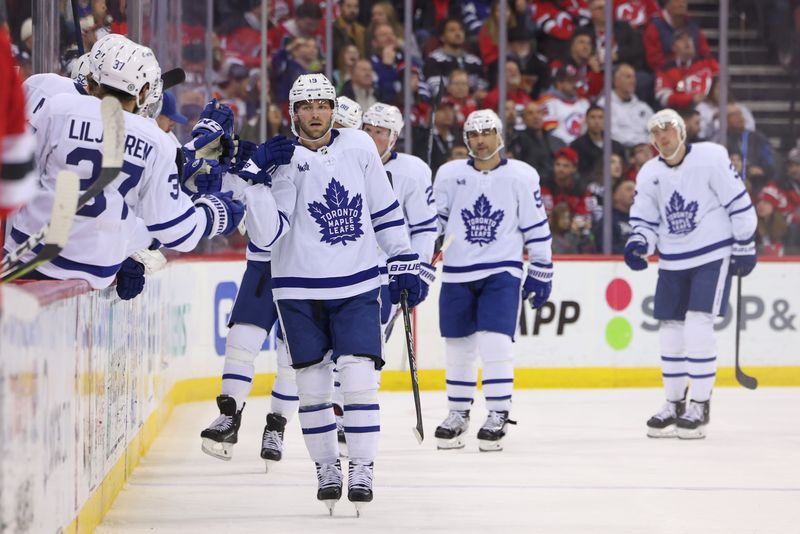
[[662, 424], [272, 439], [359, 485], [221, 435], [450, 434], [692, 424], [329, 483], [491, 434]]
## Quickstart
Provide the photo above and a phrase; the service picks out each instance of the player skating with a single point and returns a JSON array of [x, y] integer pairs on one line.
[[493, 208], [692, 205], [326, 281]]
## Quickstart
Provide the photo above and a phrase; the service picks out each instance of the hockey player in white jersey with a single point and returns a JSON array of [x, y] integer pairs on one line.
[[69, 133], [348, 113], [692, 205], [493, 208], [326, 282]]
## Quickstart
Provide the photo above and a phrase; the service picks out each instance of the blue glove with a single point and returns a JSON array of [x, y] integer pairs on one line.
[[743, 258], [223, 213], [202, 176], [636, 253], [130, 279], [215, 116], [276, 151], [404, 276], [200, 141], [242, 151], [538, 284]]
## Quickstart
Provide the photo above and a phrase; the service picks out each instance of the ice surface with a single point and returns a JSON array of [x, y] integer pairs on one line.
[[578, 461]]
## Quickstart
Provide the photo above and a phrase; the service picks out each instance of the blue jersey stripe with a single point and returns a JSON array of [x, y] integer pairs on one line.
[[651, 223], [504, 397], [498, 381], [320, 429], [737, 197], [699, 252], [384, 211], [281, 218], [390, 224], [742, 210], [673, 358], [460, 383], [361, 429], [539, 239], [173, 222], [674, 375], [325, 283], [316, 408], [537, 225], [233, 376], [354, 407], [100, 271], [252, 248], [423, 230], [459, 399], [181, 239], [702, 360], [709, 375], [482, 266], [423, 223], [284, 397]]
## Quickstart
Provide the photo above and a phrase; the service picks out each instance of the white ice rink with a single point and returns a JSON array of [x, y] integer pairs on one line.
[[578, 461]]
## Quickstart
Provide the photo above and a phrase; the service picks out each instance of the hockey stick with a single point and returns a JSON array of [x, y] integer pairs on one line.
[[172, 77], [746, 381], [76, 22], [48, 241], [113, 144], [434, 108], [419, 433]]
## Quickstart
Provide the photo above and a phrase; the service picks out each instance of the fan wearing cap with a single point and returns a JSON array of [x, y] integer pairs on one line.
[[564, 111], [565, 185], [169, 116], [692, 205], [493, 208]]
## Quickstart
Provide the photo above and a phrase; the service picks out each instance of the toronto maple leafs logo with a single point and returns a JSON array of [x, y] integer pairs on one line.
[[482, 223], [339, 218], [681, 216]]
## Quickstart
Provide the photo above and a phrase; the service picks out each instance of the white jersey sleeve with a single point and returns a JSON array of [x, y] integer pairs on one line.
[[645, 214], [732, 194], [411, 181], [39, 87], [533, 221]]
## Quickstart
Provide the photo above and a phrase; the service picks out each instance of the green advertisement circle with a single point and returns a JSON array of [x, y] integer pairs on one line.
[[619, 333]]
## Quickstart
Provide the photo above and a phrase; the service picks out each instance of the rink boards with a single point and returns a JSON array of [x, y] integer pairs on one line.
[[85, 387]]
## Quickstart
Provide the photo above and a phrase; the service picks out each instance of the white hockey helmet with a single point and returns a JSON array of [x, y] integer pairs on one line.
[[100, 48], [660, 120], [348, 112], [483, 120], [308, 87], [81, 68], [128, 67], [385, 116]]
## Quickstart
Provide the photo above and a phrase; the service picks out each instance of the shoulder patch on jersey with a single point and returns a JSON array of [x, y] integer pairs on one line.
[[339, 218], [681, 216], [481, 224]]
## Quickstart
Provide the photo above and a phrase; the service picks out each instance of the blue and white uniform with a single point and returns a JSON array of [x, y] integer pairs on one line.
[[493, 215], [40, 87], [69, 133], [694, 213]]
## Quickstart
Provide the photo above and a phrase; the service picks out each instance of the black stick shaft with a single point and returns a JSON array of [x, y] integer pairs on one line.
[[76, 22]]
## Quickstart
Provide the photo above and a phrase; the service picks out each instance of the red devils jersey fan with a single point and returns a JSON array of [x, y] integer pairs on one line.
[[686, 81]]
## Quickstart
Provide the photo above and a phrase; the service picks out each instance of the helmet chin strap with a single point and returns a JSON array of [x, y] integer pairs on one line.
[[388, 151], [308, 139], [500, 147]]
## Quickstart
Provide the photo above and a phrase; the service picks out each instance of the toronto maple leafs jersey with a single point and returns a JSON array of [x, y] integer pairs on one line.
[[69, 132], [40, 87], [334, 208], [493, 216], [694, 211], [241, 190]]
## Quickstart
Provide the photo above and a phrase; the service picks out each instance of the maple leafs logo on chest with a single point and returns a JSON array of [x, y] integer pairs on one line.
[[481, 223], [339, 218], [680, 215]]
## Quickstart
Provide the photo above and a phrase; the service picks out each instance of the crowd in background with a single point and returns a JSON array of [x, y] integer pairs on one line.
[[554, 110]]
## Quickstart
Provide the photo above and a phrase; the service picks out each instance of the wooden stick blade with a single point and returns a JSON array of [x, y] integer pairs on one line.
[[113, 132]]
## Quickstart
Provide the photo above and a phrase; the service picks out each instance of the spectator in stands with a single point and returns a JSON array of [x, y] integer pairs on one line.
[[691, 118], [534, 145], [588, 69], [361, 86], [234, 86], [445, 136], [637, 13], [569, 232], [709, 112], [170, 116], [474, 13], [514, 90], [595, 185], [589, 146], [428, 18], [629, 115], [487, 38], [686, 80], [658, 37], [640, 154], [387, 56], [771, 228], [564, 111], [299, 56], [241, 35], [564, 185], [347, 30], [382, 12], [458, 151], [622, 192], [307, 22], [347, 58], [554, 27], [453, 55], [421, 91], [627, 45], [458, 92], [532, 65], [757, 154], [791, 184]]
